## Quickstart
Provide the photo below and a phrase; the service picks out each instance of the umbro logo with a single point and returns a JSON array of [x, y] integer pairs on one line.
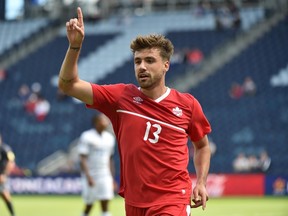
[[137, 100], [177, 111]]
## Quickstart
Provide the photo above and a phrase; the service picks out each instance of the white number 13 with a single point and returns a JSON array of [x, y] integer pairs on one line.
[[156, 133]]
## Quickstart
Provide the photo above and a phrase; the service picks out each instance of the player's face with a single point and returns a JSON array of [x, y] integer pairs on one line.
[[150, 68], [102, 123]]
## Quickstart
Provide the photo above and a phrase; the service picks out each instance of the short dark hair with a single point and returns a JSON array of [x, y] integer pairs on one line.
[[153, 41]]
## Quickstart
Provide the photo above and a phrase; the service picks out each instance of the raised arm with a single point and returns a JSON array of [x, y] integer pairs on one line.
[[202, 156], [69, 81]]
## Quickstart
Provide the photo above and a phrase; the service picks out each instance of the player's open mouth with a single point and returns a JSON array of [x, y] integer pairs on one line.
[[143, 77]]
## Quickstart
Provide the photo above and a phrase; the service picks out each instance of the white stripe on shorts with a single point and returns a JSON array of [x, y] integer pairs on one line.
[[188, 210]]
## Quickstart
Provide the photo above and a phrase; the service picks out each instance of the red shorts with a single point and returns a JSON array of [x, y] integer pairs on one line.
[[159, 210]]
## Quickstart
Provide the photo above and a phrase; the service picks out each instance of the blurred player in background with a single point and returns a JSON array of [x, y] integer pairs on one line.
[[7, 162], [96, 149], [152, 124]]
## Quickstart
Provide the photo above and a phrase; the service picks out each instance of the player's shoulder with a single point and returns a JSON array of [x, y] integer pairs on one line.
[[126, 86], [115, 87], [120, 86], [131, 87], [108, 135], [88, 133], [182, 95]]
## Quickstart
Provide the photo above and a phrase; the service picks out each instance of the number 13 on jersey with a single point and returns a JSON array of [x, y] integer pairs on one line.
[[156, 133]]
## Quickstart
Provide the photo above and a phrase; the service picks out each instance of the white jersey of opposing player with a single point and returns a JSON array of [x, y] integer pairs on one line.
[[98, 148]]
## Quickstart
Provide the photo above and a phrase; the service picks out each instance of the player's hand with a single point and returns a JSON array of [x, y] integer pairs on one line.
[[75, 30], [200, 196], [91, 181]]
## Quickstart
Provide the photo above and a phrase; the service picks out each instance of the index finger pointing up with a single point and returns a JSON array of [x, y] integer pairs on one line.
[[80, 16]]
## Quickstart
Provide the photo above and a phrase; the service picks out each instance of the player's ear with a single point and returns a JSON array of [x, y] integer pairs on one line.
[[166, 65]]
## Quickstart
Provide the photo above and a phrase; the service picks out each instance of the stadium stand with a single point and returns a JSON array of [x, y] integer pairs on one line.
[[14, 33], [250, 123], [40, 138]]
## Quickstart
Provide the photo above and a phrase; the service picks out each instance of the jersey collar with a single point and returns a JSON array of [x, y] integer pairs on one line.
[[162, 97]]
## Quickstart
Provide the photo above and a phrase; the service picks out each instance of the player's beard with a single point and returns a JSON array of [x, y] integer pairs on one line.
[[150, 82]]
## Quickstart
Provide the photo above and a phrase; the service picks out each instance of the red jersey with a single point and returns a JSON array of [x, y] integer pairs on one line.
[[152, 140]]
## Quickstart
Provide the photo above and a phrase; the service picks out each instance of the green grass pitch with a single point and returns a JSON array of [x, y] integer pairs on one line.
[[72, 205]]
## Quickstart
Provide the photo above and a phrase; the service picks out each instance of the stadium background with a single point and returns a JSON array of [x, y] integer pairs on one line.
[[33, 44]]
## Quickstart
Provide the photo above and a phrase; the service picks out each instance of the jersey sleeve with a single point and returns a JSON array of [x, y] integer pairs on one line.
[[11, 156], [199, 125], [105, 97]]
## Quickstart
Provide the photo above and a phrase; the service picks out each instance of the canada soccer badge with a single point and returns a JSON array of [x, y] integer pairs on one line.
[[177, 111]]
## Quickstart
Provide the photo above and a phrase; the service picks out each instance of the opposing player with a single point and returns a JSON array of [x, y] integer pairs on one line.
[[96, 149], [152, 124], [7, 162]]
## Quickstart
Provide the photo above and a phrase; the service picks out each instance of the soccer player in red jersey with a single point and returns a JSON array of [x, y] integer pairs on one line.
[[152, 124]]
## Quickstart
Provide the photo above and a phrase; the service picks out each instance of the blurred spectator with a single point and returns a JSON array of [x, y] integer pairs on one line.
[[3, 75], [42, 108], [249, 86], [241, 163], [228, 16], [35, 91], [24, 93], [33, 102], [253, 162], [213, 146], [36, 88], [235, 13], [236, 91], [264, 161], [280, 79], [193, 57], [203, 7]]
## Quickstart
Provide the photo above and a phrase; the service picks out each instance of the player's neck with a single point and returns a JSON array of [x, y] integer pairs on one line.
[[99, 131]]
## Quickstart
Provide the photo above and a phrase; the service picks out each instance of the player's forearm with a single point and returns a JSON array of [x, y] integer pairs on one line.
[[84, 167], [85, 170], [112, 168], [69, 70], [202, 163]]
